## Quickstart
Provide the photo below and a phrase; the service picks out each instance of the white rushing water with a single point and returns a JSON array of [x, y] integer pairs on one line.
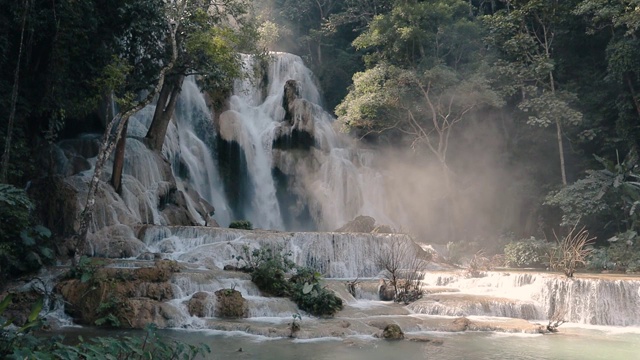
[[594, 300], [335, 180]]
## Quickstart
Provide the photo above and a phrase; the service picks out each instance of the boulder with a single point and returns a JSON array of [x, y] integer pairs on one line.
[[392, 332], [198, 304], [230, 304], [298, 127], [291, 94]]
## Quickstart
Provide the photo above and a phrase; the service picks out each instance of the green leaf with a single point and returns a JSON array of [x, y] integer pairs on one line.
[[48, 253], [86, 276], [26, 239], [35, 310], [307, 288], [42, 231], [5, 302]]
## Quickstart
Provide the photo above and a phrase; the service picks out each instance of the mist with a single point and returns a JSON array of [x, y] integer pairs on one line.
[[488, 198]]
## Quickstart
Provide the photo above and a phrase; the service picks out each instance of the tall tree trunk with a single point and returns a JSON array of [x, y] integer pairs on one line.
[[164, 110], [4, 170], [563, 169], [118, 161]]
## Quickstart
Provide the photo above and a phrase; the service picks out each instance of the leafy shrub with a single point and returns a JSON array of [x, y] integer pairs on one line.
[[623, 254], [23, 245], [527, 253], [20, 343], [269, 268], [241, 224], [310, 296]]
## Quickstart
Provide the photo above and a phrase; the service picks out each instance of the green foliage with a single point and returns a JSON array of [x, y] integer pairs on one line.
[[269, 268], [20, 343], [309, 294], [12, 337], [527, 253], [270, 271], [611, 194], [85, 269], [621, 254], [241, 224], [107, 310], [23, 245]]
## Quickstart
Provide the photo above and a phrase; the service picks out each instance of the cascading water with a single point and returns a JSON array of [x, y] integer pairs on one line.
[[585, 300], [333, 181], [193, 156]]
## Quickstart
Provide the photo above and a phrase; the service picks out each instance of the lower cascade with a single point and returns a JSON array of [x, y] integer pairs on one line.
[[193, 259]]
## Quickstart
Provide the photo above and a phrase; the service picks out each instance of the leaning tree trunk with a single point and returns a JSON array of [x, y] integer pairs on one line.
[[164, 110], [118, 161]]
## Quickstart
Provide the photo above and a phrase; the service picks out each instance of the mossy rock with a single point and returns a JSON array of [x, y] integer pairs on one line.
[[230, 304], [197, 305], [392, 332]]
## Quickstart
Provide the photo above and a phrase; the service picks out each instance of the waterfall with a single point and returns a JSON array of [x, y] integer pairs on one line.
[[331, 182], [584, 299], [335, 255], [193, 156]]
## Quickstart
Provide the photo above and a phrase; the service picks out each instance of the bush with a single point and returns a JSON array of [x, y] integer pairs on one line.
[[269, 269], [527, 253], [241, 224], [23, 245], [623, 254], [310, 296]]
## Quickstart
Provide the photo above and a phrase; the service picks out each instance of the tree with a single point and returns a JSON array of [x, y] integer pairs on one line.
[[525, 33], [402, 268], [206, 45], [620, 20], [425, 78]]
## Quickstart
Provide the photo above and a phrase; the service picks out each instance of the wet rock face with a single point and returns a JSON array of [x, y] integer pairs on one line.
[[230, 304], [197, 305], [291, 94], [131, 298], [392, 332]]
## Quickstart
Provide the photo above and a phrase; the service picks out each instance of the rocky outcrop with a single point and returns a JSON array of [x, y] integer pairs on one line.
[[361, 224], [297, 129], [130, 298], [198, 304], [230, 304], [291, 94]]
